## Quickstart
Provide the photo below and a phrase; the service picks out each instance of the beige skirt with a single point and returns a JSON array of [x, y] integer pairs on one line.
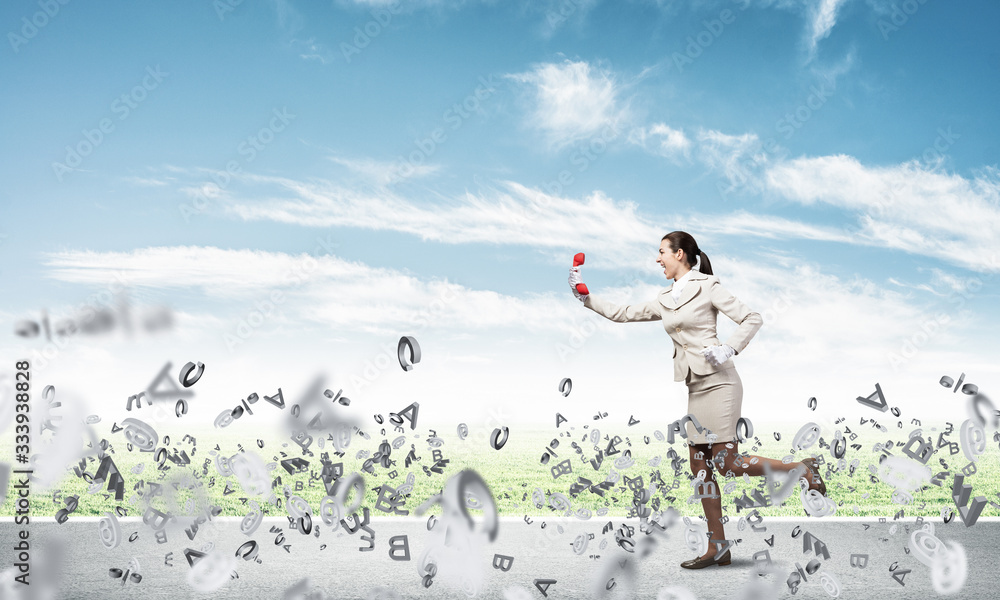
[[715, 400]]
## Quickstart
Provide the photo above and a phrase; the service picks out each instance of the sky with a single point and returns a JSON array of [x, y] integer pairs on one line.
[[297, 185]]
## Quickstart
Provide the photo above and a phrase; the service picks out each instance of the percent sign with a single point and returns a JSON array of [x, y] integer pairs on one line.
[[238, 411], [277, 400], [117, 573], [549, 453], [968, 389]]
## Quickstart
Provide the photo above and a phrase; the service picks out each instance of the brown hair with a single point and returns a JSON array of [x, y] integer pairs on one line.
[[681, 240]]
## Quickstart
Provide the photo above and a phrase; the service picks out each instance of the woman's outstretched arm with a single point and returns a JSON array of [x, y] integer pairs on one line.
[[647, 311]]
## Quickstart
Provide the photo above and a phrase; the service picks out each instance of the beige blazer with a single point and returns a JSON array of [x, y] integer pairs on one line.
[[690, 321]]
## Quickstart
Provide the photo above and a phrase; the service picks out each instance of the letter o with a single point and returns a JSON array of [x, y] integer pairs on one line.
[[269, 134], [594, 144], [45, 21], [138, 93], [910, 3], [704, 43], [385, 362], [918, 335], [377, 28], [798, 113], [84, 144], [475, 104], [311, 262], [260, 318], [419, 160]]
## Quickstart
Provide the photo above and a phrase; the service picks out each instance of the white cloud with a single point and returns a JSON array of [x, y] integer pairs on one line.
[[943, 281], [310, 49], [898, 207], [915, 206], [910, 206], [383, 173], [767, 226], [572, 101], [508, 213], [823, 18], [737, 157], [341, 294], [662, 139], [148, 181], [810, 341], [291, 23]]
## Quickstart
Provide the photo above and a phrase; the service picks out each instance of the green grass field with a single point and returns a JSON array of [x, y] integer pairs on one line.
[[513, 472]]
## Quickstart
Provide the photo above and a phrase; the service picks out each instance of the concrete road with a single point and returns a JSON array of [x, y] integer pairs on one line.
[[335, 565]]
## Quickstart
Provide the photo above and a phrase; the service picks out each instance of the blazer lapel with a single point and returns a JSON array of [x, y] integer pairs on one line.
[[691, 289]]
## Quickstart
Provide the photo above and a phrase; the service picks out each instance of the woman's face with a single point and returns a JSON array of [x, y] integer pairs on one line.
[[674, 263]]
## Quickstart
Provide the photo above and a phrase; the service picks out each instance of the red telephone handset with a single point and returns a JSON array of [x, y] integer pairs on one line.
[[577, 261]]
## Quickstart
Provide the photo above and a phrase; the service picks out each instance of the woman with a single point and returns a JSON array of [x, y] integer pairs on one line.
[[689, 309]]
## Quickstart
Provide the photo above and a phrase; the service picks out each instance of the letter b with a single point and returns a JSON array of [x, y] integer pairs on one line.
[[382, 15], [155, 519], [714, 26], [502, 562], [693, 49], [399, 548], [51, 7], [923, 453], [425, 145], [94, 136]]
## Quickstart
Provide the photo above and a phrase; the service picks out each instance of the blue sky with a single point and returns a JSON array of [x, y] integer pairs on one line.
[[836, 159]]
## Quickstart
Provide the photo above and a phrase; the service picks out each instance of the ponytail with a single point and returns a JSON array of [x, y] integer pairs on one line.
[[681, 240]]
